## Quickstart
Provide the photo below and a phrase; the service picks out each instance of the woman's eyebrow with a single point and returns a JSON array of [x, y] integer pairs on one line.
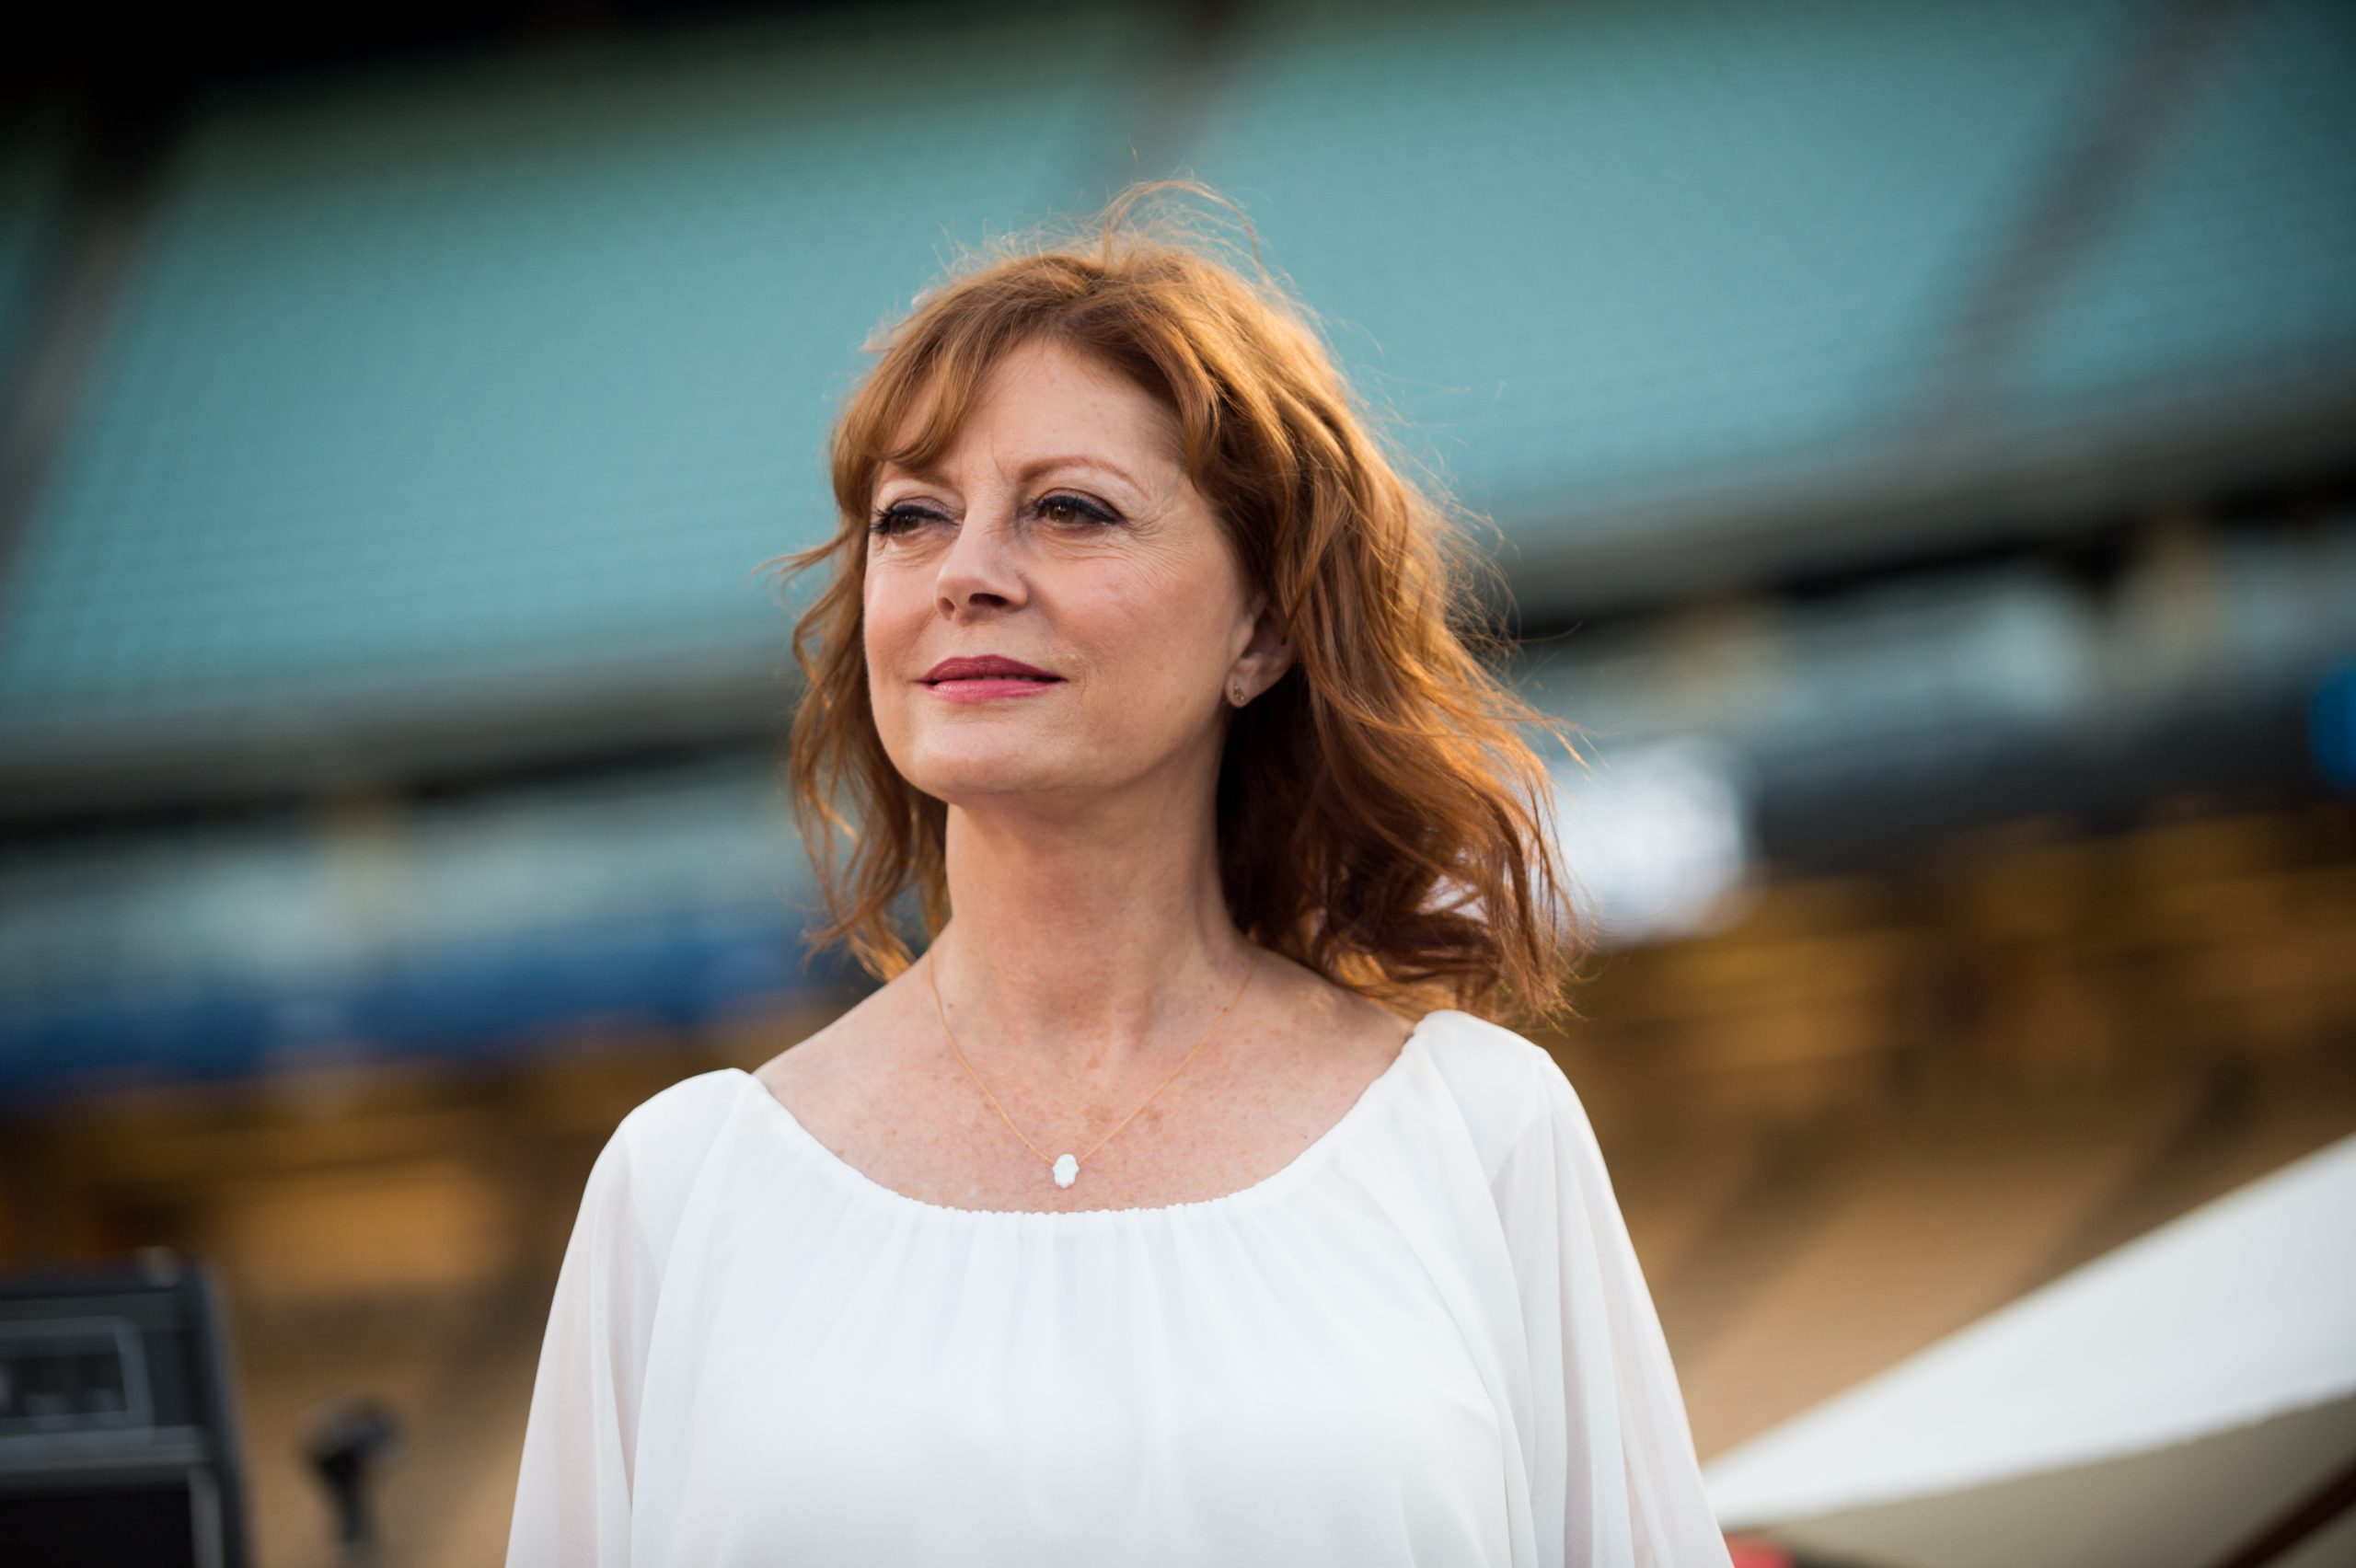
[[931, 474], [1038, 465]]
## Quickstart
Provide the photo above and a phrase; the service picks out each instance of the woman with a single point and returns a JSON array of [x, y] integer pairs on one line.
[[1177, 1206]]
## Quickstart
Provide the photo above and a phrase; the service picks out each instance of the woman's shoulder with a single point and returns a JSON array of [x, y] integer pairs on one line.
[[639, 1184], [1500, 1080], [669, 1131], [695, 1101]]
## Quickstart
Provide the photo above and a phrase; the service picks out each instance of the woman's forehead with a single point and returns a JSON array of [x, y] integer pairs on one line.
[[1041, 399]]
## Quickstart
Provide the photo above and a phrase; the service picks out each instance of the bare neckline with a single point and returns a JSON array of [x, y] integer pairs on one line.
[[1266, 1187]]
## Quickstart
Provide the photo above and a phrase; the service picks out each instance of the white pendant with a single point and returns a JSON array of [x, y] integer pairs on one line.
[[1066, 1170]]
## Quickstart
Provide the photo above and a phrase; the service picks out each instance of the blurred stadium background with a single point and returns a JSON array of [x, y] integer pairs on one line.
[[1920, 442]]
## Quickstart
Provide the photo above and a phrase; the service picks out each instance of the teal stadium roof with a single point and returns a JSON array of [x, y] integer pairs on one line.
[[506, 376], [2234, 258], [514, 370], [1594, 246]]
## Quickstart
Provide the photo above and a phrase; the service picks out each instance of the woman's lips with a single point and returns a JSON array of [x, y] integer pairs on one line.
[[985, 688], [985, 677]]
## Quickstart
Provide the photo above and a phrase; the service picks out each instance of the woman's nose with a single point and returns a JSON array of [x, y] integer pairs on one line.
[[983, 568]]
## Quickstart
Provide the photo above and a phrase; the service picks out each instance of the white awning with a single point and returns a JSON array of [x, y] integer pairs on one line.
[[2157, 1407]]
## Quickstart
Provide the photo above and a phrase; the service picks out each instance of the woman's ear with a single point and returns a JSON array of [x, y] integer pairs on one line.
[[1269, 654]]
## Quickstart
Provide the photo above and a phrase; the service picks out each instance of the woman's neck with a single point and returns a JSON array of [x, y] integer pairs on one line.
[[1087, 942]]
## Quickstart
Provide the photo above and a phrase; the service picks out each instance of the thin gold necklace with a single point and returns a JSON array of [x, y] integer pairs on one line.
[[1065, 1167]]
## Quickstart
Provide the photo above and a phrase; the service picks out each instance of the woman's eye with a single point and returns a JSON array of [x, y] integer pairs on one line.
[[1072, 509], [903, 516], [898, 518]]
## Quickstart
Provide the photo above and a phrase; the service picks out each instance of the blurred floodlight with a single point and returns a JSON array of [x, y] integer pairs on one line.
[[1657, 838]]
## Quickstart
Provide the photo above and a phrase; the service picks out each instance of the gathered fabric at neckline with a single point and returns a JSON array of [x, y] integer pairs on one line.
[[1319, 1148]]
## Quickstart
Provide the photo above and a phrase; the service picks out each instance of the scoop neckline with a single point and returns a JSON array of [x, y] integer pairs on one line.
[[1319, 1148]]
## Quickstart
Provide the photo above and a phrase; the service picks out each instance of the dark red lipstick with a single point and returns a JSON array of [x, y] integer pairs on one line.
[[987, 678], [983, 668]]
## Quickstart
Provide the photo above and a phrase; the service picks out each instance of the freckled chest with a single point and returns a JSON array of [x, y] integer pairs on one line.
[[918, 1130]]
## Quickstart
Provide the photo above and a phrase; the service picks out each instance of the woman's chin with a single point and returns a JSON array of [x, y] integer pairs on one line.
[[975, 775]]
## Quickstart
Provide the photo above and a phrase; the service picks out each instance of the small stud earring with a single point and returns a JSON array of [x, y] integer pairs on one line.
[[1235, 692]]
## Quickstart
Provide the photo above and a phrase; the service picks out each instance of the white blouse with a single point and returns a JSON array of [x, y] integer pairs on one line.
[[1424, 1340]]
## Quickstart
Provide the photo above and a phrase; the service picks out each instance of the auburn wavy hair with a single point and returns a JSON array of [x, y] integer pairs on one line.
[[1382, 817]]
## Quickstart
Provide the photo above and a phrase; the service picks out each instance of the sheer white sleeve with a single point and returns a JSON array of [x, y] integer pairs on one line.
[[572, 1497], [1618, 1482]]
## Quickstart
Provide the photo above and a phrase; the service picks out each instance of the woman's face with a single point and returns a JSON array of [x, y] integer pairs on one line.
[[1059, 532]]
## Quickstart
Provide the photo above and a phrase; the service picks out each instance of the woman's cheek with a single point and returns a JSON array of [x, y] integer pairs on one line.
[[887, 626]]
